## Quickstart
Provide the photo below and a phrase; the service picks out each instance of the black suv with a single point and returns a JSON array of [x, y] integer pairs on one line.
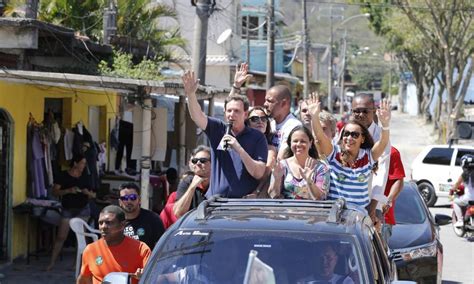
[[298, 241]]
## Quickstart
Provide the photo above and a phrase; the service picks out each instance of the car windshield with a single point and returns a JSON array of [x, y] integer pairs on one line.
[[222, 256], [409, 208]]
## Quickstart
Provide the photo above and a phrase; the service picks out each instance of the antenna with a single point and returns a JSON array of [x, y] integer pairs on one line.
[[224, 36]]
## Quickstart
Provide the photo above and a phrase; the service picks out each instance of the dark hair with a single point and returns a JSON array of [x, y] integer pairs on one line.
[[283, 92], [241, 98], [368, 140], [313, 153], [114, 209], [130, 185], [77, 158], [171, 174], [268, 131], [369, 97]]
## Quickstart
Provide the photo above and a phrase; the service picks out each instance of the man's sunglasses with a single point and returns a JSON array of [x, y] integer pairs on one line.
[[362, 110], [201, 160], [128, 197], [354, 134], [255, 119]]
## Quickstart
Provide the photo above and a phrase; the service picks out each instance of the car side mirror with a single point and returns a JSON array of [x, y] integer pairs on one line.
[[117, 278], [442, 219]]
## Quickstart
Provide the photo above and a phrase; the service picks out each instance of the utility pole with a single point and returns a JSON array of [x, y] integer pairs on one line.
[[31, 9], [270, 44], [145, 162], [342, 74], [247, 34], [203, 11], [306, 54], [330, 68], [109, 23]]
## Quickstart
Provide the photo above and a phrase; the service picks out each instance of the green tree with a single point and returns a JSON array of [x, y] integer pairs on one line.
[[136, 20], [434, 38], [123, 66], [139, 19], [83, 16]]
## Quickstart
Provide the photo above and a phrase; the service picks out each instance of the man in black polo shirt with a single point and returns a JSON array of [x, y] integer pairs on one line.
[[142, 224]]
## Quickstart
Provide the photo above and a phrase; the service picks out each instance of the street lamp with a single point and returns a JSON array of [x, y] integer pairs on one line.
[[341, 95]]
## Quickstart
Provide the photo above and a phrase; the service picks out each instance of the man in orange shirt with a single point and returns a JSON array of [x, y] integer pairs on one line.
[[114, 252]]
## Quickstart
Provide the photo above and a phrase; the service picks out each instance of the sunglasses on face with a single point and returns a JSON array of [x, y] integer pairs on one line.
[[255, 119], [128, 197], [201, 160], [353, 134], [362, 110]]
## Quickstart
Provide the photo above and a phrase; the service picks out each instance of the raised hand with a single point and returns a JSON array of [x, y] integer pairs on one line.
[[314, 105], [308, 169], [241, 74], [384, 113], [190, 82], [197, 180]]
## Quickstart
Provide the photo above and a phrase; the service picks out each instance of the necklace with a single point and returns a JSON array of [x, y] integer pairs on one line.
[[347, 160]]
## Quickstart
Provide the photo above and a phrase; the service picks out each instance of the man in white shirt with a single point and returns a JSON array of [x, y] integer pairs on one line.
[[278, 105]]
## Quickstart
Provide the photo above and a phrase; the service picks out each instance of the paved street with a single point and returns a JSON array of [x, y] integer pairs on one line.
[[409, 134]]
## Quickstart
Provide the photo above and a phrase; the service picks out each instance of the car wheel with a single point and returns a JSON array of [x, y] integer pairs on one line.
[[428, 193], [459, 231]]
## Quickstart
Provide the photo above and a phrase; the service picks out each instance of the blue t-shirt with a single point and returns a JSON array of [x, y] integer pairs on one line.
[[229, 177]]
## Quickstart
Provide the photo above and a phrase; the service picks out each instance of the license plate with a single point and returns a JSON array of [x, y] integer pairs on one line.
[[445, 187]]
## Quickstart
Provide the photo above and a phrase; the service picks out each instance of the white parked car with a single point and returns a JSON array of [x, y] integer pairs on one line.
[[437, 168]]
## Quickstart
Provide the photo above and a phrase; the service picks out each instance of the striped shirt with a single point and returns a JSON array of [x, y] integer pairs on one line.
[[352, 183]]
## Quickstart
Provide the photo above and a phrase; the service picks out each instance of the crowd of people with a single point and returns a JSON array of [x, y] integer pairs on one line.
[[259, 152], [268, 152]]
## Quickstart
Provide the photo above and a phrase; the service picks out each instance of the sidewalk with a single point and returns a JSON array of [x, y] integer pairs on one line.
[[20, 273]]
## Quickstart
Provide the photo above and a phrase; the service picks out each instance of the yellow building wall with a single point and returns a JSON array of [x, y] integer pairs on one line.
[[21, 99]]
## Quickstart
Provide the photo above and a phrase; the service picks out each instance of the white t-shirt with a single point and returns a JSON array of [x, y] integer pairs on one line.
[[379, 181], [283, 129]]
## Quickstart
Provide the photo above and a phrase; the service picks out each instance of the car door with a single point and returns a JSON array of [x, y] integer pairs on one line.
[[436, 166], [456, 170]]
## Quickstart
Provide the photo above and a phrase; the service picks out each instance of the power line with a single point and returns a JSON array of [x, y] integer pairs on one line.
[[390, 5]]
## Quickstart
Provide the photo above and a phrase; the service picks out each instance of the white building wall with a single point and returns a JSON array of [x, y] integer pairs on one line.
[[219, 56], [411, 102]]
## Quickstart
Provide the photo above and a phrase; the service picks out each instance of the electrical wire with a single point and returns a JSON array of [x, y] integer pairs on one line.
[[389, 5]]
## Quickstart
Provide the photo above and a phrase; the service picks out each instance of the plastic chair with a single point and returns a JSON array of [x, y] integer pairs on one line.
[[82, 230]]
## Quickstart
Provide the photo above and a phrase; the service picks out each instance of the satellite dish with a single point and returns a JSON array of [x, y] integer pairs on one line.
[[224, 36]]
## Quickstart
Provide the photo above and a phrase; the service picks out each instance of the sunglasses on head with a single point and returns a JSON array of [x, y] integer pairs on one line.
[[128, 197], [362, 110], [258, 118], [201, 160], [354, 134]]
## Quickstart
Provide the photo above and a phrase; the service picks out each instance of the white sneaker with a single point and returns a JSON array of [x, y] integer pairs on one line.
[[459, 224]]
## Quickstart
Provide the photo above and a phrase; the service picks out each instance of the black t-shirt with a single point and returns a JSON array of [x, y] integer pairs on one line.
[[147, 227], [183, 186], [73, 200]]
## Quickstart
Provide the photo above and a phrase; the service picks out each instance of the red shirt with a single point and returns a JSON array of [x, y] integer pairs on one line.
[[395, 172]]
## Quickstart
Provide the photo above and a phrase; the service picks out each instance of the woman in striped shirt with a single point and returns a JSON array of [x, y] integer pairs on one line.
[[351, 161]]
